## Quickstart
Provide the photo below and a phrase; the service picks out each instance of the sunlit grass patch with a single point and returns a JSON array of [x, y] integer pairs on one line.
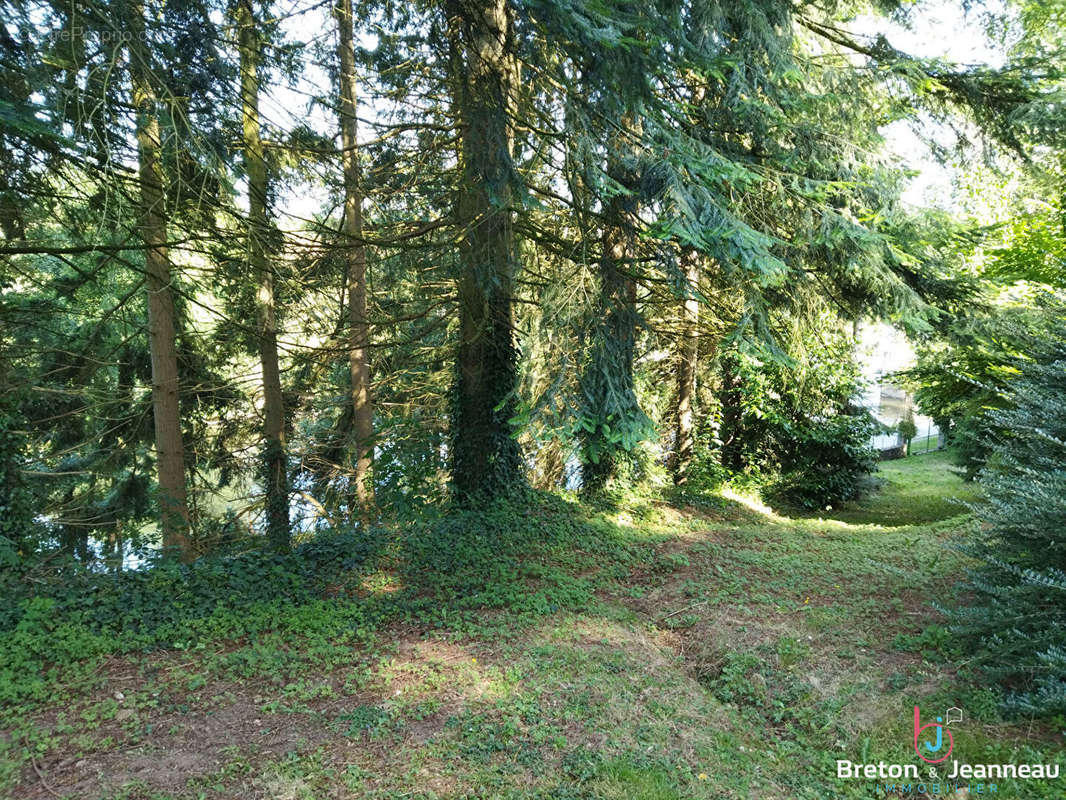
[[916, 490]]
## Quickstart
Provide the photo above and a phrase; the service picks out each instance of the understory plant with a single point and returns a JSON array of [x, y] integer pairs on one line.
[[829, 461]]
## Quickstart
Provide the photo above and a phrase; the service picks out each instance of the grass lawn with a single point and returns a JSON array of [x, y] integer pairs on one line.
[[916, 490], [924, 444], [658, 653]]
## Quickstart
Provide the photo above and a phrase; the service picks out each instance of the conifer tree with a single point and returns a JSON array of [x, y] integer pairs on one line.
[[274, 468], [1016, 622], [355, 256], [166, 412], [484, 452], [613, 422]]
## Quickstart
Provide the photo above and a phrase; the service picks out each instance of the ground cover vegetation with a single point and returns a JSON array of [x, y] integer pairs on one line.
[[624, 648]]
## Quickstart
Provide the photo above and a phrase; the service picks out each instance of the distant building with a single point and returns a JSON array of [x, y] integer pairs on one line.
[[882, 351]]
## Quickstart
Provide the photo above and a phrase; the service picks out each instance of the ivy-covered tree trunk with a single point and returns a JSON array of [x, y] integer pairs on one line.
[[355, 255], [484, 453], [166, 411], [612, 418], [274, 474], [687, 350], [17, 506]]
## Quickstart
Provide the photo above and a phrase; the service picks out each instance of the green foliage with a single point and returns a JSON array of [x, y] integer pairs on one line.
[[750, 155], [909, 491], [443, 569], [363, 719], [1017, 623], [409, 674], [790, 419], [623, 779], [1035, 247], [965, 373], [485, 458], [705, 475], [829, 462], [490, 560], [907, 429], [706, 471], [81, 614], [609, 423], [17, 529]]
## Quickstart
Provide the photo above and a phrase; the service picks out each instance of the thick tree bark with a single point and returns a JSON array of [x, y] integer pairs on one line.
[[166, 411], [484, 453], [687, 351], [275, 473], [608, 384], [355, 251]]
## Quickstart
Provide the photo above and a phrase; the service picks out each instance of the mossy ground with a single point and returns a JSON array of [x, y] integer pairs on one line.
[[719, 652]]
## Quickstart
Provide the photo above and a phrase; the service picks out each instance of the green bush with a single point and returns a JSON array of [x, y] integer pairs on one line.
[[789, 422], [1017, 625], [828, 462]]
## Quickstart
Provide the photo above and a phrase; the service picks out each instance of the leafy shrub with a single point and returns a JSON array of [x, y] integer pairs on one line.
[[1017, 624], [706, 472], [789, 421], [828, 462]]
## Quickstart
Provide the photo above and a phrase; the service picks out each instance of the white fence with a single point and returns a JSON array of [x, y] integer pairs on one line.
[[929, 439]]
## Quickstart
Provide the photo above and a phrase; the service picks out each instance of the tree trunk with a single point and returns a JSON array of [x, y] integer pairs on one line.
[[275, 474], [166, 411], [484, 453], [608, 382], [355, 251], [687, 346]]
